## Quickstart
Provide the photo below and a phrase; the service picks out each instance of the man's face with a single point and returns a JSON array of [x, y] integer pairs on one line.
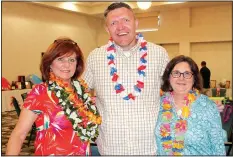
[[121, 26]]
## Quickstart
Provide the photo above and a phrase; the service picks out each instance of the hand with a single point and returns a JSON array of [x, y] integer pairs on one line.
[[220, 106]]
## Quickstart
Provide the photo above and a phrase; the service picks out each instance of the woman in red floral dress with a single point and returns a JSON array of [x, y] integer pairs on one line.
[[66, 117]]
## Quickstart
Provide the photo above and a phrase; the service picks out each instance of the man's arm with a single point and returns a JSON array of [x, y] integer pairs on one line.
[[88, 75]]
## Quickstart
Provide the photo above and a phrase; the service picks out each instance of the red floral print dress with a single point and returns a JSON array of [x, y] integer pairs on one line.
[[55, 135]]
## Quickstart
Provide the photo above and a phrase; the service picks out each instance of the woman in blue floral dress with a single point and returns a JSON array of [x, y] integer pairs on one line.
[[189, 123]]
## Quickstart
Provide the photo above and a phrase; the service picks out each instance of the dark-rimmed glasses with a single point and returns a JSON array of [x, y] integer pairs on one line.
[[177, 74]]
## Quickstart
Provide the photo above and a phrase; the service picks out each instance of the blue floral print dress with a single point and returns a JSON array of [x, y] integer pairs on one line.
[[204, 135]]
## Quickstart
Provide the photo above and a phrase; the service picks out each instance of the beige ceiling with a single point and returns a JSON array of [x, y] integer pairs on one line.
[[97, 8]]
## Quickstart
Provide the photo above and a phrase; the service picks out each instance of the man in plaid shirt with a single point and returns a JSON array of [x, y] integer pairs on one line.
[[126, 76]]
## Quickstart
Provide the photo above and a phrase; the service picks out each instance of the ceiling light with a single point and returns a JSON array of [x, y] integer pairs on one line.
[[69, 6], [144, 5], [173, 2]]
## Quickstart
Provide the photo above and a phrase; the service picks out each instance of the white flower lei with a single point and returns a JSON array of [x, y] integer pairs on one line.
[[89, 131]]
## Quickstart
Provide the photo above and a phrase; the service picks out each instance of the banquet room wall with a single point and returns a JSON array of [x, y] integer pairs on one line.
[[28, 30], [202, 32]]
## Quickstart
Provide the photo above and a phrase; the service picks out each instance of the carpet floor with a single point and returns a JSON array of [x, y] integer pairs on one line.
[[9, 120]]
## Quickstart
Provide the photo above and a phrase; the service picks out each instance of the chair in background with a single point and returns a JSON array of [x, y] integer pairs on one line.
[[94, 150], [18, 110], [16, 106], [214, 92], [227, 125], [24, 96], [229, 143], [223, 92]]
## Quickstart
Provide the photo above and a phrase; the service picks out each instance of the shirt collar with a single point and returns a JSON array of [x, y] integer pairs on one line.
[[128, 53]]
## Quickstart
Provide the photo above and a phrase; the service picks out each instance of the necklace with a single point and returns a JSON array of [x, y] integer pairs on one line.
[[175, 146], [78, 107], [119, 88], [177, 109]]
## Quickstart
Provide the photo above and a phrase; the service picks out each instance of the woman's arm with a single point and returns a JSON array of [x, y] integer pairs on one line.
[[18, 135]]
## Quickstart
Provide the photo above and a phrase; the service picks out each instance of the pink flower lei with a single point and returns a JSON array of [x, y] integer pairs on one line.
[[175, 146], [111, 54]]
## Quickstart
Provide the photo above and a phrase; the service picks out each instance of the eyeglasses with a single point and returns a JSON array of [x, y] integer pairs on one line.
[[177, 74]]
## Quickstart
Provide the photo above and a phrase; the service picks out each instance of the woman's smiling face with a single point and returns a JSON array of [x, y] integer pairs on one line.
[[181, 84], [64, 66]]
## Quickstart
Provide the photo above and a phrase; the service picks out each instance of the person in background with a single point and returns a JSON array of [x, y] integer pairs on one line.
[[125, 75], [189, 123], [65, 116], [205, 73]]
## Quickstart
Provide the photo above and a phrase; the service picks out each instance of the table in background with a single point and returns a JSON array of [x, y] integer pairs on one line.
[[6, 98]]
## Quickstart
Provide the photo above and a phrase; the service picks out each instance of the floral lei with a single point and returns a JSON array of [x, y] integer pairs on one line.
[[111, 54], [175, 146], [77, 106]]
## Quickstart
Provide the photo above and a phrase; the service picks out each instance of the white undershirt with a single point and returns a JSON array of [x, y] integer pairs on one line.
[[127, 53]]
